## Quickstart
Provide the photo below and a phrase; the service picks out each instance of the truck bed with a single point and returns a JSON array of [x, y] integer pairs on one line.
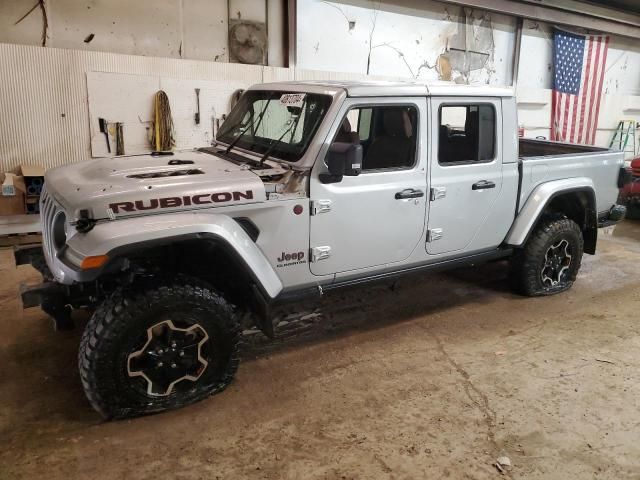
[[543, 161], [543, 148]]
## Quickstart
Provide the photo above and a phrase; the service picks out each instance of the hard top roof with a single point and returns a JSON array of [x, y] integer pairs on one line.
[[370, 88]]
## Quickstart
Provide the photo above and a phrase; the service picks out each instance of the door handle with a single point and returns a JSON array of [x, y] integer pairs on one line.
[[409, 193], [483, 185]]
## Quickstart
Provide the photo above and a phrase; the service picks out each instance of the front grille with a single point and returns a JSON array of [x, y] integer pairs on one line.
[[48, 211]]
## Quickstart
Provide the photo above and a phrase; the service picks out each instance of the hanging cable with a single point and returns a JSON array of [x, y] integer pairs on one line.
[[162, 132]]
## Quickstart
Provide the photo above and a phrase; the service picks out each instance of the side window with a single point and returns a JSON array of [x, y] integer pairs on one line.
[[467, 134], [387, 135]]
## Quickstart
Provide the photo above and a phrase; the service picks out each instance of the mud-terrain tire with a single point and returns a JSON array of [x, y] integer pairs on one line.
[[158, 346], [542, 266]]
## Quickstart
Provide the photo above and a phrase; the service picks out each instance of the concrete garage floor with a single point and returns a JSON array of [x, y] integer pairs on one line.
[[434, 379]]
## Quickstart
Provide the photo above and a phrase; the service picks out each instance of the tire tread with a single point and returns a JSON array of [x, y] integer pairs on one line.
[[111, 317], [524, 264]]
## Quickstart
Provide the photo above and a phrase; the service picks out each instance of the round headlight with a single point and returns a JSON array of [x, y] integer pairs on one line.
[[59, 233]]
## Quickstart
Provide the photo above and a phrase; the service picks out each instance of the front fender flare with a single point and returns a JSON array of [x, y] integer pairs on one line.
[[114, 237], [537, 201]]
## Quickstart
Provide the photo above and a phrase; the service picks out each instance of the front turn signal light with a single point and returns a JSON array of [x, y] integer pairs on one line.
[[93, 262]]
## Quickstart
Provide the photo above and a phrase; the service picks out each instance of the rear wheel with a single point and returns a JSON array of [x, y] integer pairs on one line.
[[156, 347], [550, 260]]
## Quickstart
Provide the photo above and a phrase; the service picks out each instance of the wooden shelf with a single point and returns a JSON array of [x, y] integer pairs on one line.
[[12, 224]]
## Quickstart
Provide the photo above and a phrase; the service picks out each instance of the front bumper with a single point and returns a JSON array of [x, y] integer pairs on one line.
[[614, 215], [54, 298]]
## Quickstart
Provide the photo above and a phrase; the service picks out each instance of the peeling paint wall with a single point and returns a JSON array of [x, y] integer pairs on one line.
[[429, 40], [191, 29], [408, 38]]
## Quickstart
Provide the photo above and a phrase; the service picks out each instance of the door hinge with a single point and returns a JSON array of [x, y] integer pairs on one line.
[[438, 192], [320, 253], [320, 206], [434, 234]]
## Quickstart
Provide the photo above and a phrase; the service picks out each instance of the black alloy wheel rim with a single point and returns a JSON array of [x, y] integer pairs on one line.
[[557, 261], [170, 357]]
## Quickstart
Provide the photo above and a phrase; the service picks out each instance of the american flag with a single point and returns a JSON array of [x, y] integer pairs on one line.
[[578, 62]]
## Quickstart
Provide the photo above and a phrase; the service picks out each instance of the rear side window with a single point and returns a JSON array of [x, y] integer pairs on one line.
[[387, 134], [467, 133]]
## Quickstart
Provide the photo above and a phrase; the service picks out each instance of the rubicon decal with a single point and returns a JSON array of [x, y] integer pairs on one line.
[[287, 259], [186, 201]]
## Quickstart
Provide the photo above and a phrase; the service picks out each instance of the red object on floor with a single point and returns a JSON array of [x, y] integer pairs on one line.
[[630, 192]]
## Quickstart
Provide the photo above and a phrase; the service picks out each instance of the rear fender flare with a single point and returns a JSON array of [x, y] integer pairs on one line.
[[540, 198], [118, 237]]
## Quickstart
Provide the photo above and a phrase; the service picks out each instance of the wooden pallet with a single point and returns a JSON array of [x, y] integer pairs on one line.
[[20, 239]]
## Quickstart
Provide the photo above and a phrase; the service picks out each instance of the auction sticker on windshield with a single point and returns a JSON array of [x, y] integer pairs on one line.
[[292, 99]]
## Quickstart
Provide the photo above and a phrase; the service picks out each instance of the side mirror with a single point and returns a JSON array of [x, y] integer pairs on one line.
[[343, 159]]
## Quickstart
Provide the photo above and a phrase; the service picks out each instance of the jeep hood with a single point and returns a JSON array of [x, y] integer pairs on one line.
[[141, 185]]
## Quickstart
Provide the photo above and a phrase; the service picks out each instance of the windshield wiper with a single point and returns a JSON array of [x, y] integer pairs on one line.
[[276, 142], [294, 126], [237, 139]]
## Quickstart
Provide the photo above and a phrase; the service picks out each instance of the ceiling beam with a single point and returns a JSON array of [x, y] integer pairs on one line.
[[565, 13]]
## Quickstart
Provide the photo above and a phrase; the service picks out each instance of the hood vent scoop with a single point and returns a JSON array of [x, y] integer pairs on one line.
[[169, 173]]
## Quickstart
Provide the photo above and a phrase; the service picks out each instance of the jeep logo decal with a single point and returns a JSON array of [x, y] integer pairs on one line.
[[293, 258], [186, 201]]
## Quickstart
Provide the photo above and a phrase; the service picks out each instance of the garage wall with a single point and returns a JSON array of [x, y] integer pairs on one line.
[[416, 39], [191, 29], [621, 90], [399, 38], [44, 116], [430, 40], [44, 109]]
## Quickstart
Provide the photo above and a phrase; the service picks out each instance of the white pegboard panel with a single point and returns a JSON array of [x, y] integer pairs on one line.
[[119, 97], [129, 99]]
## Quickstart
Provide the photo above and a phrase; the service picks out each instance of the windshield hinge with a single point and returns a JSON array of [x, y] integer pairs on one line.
[[438, 192], [320, 253], [434, 234], [320, 206]]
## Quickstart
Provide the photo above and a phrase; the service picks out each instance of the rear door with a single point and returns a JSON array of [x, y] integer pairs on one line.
[[466, 174], [378, 217]]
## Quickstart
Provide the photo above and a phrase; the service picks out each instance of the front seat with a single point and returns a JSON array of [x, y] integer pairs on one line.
[[345, 135], [471, 134], [394, 148]]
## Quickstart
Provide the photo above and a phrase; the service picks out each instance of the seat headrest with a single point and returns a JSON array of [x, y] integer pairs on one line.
[[346, 125], [472, 121], [397, 123]]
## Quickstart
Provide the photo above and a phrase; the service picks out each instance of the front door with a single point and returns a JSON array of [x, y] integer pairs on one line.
[[465, 173], [378, 217]]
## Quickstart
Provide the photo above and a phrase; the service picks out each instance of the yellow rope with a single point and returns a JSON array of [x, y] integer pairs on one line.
[[162, 133]]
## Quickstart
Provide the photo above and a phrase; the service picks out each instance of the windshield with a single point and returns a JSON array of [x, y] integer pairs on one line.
[[274, 122]]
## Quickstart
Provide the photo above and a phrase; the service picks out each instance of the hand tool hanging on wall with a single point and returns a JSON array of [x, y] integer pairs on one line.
[[197, 116], [103, 124], [162, 132], [119, 139]]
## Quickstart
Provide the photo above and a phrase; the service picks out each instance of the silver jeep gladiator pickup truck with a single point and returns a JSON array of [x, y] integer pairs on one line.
[[309, 186]]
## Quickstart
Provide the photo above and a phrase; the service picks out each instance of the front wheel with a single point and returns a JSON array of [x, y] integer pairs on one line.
[[157, 347], [550, 260]]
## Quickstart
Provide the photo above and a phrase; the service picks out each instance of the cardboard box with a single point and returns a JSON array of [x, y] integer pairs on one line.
[[12, 200]]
